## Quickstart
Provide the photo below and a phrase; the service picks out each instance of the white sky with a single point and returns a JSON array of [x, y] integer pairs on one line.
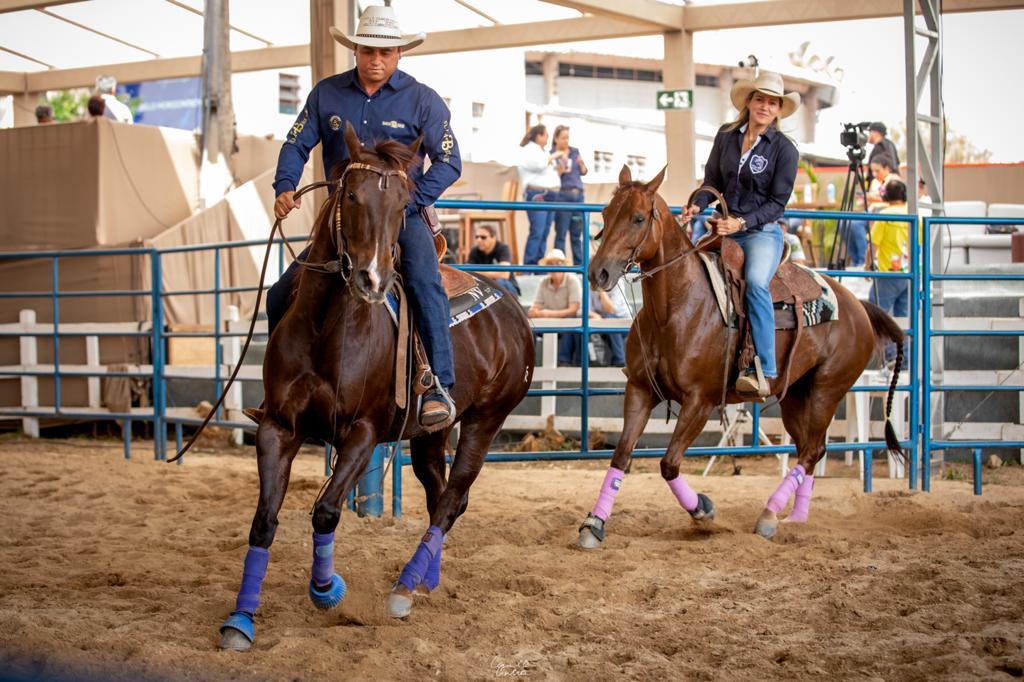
[[981, 94]]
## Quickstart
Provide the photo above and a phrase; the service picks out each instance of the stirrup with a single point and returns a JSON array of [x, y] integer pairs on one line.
[[745, 384], [439, 390]]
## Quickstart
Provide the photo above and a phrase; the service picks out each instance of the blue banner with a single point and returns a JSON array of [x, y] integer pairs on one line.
[[173, 103]]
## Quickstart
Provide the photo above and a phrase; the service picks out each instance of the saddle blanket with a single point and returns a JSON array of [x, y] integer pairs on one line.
[[824, 308], [464, 306]]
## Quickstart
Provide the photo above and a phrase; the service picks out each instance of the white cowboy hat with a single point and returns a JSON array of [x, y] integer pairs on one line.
[[553, 257], [770, 84], [378, 27]]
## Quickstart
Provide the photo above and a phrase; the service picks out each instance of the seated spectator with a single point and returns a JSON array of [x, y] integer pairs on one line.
[[611, 304], [891, 239], [559, 295], [489, 251], [97, 107], [44, 114]]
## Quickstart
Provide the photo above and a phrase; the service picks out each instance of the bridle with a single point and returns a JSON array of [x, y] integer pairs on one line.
[[703, 243], [343, 264]]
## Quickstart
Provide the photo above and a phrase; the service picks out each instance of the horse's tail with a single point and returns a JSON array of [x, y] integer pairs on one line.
[[886, 328]]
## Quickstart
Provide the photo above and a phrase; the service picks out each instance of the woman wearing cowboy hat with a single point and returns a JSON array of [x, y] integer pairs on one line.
[[382, 102], [754, 166]]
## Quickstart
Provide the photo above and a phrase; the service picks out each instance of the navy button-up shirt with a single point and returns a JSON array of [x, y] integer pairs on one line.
[[760, 190], [401, 110]]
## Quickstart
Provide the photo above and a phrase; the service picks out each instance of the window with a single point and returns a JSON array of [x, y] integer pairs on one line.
[[603, 162], [637, 165], [288, 94], [605, 72], [592, 71], [478, 109], [534, 68], [709, 81]]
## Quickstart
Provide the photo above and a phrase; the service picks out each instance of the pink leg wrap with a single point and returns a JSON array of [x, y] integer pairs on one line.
[[777, 502], [802, 505], [609, 489], [687, 498]]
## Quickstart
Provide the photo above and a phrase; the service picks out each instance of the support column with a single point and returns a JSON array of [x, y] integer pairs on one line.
[[679, 129], [328, 56], [218, 139], [550, 67], [25, 109]]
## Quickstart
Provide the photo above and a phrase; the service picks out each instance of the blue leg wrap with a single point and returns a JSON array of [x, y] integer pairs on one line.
[[433, 577], [253, 572], [323, 558], [430, 547]]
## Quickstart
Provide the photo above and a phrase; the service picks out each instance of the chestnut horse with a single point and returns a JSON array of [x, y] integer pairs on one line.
[[329, 375], [678, 345]]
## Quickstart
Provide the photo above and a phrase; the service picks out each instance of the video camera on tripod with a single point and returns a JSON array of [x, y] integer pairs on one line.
[[853, 137]]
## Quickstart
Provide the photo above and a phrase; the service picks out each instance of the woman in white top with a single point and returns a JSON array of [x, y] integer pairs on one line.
[[540, 181]]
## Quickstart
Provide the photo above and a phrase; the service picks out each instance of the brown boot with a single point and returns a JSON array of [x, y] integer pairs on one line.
[[434, 410]]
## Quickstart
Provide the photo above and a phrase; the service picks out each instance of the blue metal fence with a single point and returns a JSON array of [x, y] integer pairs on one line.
[[919, 278]]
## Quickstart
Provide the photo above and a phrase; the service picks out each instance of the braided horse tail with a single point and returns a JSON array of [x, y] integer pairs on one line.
[[886, 328]]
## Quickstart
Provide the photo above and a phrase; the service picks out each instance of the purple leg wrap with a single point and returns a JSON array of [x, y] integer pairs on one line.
[[802, 505], [253, 572], [430, 547], [323, 558], [609, 489], [795, 477], [687, 498]]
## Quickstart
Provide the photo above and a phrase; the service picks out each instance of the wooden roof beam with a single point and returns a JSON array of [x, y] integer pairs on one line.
[[660, 14]]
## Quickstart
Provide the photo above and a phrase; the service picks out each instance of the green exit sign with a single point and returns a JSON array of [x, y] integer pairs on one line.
[[675, 99]]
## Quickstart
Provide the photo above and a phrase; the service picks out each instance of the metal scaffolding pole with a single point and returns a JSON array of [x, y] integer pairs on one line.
[[925, 157]]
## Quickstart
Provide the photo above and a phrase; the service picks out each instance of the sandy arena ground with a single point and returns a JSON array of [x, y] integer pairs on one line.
[[125, 569]]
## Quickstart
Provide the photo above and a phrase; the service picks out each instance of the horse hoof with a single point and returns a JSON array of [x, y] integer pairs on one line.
[[237, 633], [705, 510], [329, 598], [591, 533], [767, 524], [399, 602]]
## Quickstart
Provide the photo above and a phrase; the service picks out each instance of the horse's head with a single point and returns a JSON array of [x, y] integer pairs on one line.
[[372, 195], [632, 229]]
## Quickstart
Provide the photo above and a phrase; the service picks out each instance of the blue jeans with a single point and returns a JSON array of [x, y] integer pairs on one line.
[[571, 223], [856, 242], [762, 250], [892, 296], [423, 284], [540, 225]]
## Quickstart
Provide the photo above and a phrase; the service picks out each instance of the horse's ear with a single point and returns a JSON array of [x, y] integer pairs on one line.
[[414, 148], [625, 177], [654, 184], [355, 148]]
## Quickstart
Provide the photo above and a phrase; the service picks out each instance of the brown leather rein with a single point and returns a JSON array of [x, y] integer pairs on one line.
[[703, 243]]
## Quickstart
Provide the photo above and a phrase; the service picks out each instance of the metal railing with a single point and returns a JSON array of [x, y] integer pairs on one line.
[[919, 425]]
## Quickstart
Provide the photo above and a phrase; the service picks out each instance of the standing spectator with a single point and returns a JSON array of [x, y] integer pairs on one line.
[[881, 144], [106, 87], [611, 304], [97, 106], [559, 295], [489, 251], [44, 114], [891, 240], [540, 181], [882, 170], [571, 169]]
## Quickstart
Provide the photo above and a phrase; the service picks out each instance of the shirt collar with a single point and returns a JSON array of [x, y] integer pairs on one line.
[[768, 134]]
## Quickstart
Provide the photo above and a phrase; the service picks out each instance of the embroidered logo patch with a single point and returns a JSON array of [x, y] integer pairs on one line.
[[447, 143], [392, 124], [616, 483], [334, 122], [293, 136], [758, 163]]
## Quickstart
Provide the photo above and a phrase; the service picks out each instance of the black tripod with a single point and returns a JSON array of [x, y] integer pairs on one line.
[[844, 229]]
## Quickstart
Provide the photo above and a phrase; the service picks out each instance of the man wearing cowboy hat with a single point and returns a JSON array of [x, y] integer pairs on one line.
[[382, 102], [753, 165]]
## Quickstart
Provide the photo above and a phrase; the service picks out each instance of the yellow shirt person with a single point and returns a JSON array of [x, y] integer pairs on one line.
[[891, 240]]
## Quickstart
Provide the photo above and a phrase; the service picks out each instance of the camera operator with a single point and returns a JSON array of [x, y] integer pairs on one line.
[[881, 144]]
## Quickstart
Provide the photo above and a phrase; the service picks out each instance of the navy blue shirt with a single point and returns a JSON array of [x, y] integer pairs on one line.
[[572, 179], [401, 110], [759, 193]]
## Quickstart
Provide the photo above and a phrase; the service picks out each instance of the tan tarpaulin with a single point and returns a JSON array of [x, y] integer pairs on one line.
[[89, 183]]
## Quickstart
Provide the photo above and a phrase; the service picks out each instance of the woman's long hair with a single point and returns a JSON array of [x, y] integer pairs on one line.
[[554, 136], [532, 134]]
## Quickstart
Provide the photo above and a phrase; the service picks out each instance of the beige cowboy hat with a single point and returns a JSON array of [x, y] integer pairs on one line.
[[553, 257], [770, 84], [378, 27]]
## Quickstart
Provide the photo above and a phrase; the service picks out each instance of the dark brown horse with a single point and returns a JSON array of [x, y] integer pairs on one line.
[[329, 375], [678, 345]]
